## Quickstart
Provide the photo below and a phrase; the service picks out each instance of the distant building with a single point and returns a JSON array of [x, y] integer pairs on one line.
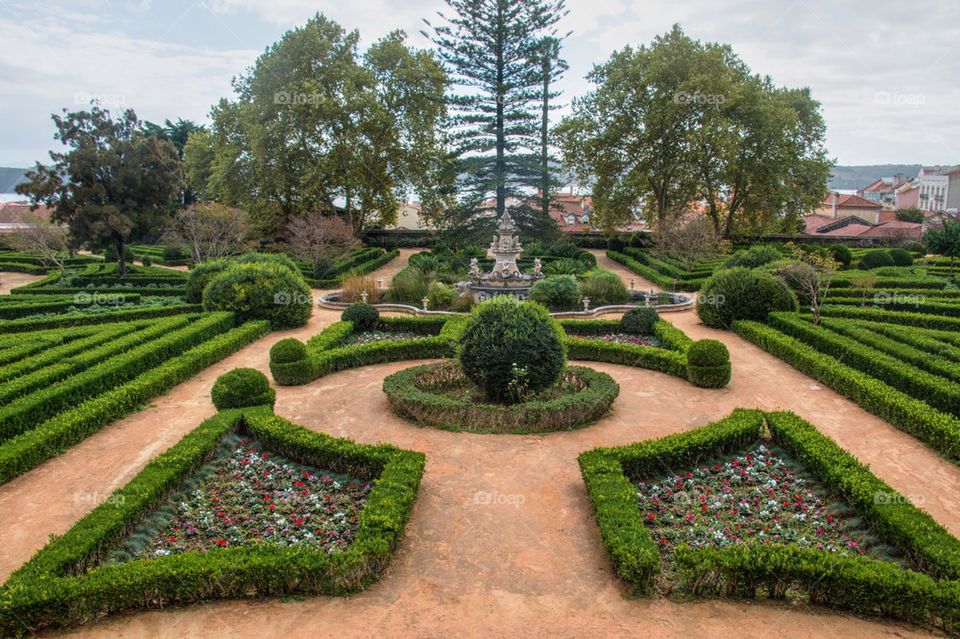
[[12, 215], [939, 189], [907, 195], [409, 218], [839, 205], [843, 215], [882, 191]]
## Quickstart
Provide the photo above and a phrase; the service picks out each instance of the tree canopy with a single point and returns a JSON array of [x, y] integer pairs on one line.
[[113, 182], [682, 122], [316, 125]]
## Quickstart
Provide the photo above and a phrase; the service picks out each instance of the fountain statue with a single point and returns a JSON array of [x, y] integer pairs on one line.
[[505, 278]]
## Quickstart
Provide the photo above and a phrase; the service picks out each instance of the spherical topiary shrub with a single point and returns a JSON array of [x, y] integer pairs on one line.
[[511, 348], [288, 350], [260, 291], [875, 259], [200, 276], [901, 257], [741, 293], [557, 292], [639, 321], [708, 364], [842, 254], [604, 288], [240, 388], [365, 317]]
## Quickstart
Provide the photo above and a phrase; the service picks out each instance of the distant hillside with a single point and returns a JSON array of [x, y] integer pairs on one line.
[[855, 177], [10, 177]]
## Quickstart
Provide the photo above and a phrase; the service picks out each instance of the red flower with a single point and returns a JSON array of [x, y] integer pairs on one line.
[[298, 521], [172, 539], [221, 542], [652, 516]]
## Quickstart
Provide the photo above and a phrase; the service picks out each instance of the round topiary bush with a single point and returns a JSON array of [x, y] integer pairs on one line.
[[875, 259], [639, 321], [240, 388], [708, 364], [754, 256], [260, 291], [288, 350], [557, 292], [200, 276], [842, 254], [741, 293], [511, 348], [901, 257], [365, 317], [604, 288]]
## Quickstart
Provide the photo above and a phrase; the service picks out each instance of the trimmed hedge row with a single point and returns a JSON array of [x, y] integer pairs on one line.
[[21, 267], [56, 435], [930, 307], [62, 584], [936, 391], [672, 268], [939, 430], [608, 475], [20, 414], [360, 268], [411, 395], [71, 290], [652, 274], [843, 281], [29, 306], [922, 320], [123, 315]]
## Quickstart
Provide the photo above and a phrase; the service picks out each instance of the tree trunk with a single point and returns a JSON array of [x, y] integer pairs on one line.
[[121, 258], [500, 171], [544, 131]]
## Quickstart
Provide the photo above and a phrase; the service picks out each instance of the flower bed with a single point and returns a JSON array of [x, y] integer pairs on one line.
[[369, 337], [928, 592], [440, 395], [756, 497], [247, 496], [625, 338]]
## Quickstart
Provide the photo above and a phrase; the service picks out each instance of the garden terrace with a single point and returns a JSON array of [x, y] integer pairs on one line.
[[160, 254], [644, 552], [53, 396], [68, 582], [664, 272], [355, 263]]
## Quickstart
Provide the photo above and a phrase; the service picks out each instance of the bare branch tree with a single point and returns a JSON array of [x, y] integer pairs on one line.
[[810, 275], [211, 231], [41, 236], [690, 241], [318, 238]]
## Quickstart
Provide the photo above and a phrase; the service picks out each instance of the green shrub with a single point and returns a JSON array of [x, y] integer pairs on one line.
[[171, 252], [146, 261], [510, 348], [440, 295], [267, 258], [901, 257], [564, 248], [639, 321], [557, 292], [240, 388], [200, 276], [110, 254], [365, 317], [740, 293], [754, 256], [565, 266], [875, 259], [409, 286], [615, 244], [604, 288], [288, 350], [261, 291], [708, 364], [842, 254]]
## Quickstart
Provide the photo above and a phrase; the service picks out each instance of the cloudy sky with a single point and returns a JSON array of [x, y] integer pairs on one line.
[[887, 73]]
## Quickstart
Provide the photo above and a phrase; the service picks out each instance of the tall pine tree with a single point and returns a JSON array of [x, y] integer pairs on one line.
[[493, 51]]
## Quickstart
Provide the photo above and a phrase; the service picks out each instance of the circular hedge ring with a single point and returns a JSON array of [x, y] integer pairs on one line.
[[581, 397]]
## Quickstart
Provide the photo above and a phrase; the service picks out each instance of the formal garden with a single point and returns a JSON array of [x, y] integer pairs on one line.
[[237, 400]]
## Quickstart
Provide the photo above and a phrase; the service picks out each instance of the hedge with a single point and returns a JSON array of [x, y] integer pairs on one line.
[[411, 395], [63, 584], [21, 267], [922, 320], [931, 306], [653, 275], [123, 315], [362, 268], [24, 412], [29, 306], [843, 281], [56, 435], [859, 584], [938, 392], [110, 290], [939, 430]]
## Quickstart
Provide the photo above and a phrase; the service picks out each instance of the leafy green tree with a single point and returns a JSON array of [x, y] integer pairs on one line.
[[316, 126], [683, 121], [496, 54], [178, 134], [552, 68], [945, 241], [911, 214], [112, 183]]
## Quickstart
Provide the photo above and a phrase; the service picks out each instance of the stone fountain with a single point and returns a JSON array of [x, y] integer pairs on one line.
[[505, 278]]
